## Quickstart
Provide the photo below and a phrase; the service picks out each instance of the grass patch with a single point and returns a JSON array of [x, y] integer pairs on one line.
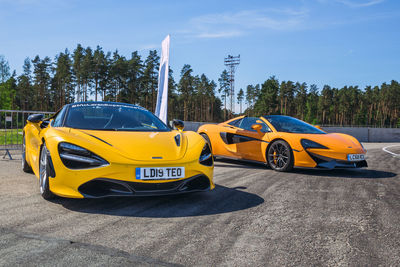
[[10, 136]]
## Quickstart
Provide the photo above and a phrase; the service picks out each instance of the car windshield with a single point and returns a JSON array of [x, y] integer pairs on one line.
[[292, 125], [112, 117]]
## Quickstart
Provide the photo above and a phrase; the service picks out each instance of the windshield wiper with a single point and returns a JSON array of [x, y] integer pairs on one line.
[[102, 129]]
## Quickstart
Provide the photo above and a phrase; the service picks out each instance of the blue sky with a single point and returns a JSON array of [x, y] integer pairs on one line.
[[335, 42]]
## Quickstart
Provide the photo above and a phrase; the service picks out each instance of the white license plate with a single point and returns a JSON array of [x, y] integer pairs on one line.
[[355, 157], [160, 173]]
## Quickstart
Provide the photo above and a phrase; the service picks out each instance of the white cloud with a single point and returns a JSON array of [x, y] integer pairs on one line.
[[229, 24], [356, 4], [226, 34]]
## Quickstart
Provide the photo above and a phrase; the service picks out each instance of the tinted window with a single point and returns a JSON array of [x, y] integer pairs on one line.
[[58, 119], [292, 125], [235, 123], [111, 116], [248, 121]]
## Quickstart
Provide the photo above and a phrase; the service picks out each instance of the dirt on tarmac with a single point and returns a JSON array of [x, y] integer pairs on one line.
[[254, 217]]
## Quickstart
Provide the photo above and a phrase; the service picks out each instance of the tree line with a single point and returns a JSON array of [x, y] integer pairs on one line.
[[87, 74], [46, 84], [377, 106]]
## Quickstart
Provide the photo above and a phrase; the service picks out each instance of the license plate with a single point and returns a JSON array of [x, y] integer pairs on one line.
[[355, 157], [160, 173]]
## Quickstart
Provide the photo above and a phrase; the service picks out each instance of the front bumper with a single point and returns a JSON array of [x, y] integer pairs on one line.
[[120, 178], [330, 163], [104, 187], [120, 175]]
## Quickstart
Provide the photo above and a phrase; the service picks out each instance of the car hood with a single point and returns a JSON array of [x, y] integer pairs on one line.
[[336, 141], [142, 146]]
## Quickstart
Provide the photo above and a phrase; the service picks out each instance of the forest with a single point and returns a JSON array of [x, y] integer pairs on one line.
[[377, 106], [87, 74]]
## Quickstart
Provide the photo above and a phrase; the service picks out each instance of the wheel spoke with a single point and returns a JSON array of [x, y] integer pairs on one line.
[[278, 163]]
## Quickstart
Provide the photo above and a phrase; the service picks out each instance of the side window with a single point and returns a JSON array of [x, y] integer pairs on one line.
[[248, 121], [58, 119], [235, 123]]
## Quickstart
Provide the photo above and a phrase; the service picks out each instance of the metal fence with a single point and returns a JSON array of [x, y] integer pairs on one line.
[[11, 124]]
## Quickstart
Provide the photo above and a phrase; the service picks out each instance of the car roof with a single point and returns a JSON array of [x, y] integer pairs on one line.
[[271, 116]]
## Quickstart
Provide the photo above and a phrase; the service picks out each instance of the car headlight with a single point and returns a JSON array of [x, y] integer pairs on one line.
[[311, 144], [76, 157], [362, 146], [206, 156]]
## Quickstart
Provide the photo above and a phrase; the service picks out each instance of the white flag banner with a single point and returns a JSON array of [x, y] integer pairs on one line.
[[162, 97]]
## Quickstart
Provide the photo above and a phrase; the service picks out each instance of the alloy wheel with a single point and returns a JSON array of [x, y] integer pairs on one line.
[[280, 156], [43, 169]]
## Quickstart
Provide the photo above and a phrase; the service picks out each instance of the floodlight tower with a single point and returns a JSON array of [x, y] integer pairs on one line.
[[231, 63]]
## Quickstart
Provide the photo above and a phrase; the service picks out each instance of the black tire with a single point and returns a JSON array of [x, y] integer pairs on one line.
[[44, 170], [280, 156], [25, 165]]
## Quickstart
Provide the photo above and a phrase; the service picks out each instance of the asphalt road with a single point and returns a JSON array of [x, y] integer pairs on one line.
[[255, 217]]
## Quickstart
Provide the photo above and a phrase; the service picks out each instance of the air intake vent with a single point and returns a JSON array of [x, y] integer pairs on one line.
[[178, 139]]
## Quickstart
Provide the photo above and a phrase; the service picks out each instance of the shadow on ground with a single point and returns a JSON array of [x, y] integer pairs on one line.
[[340, 173], [220, 162], [347, 173], [220, 200]]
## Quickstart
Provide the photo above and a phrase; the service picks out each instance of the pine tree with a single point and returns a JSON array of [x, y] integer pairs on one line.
[[240, 98], [150, 80], [41, 77], [4, 70], [174, 110], [185, 87], [224, 89], [78, 55], [301, 98], [99, 69], [63, 84], [118, 76], [250, 93], [131, 93], [24, 87], [312, 105], [267, 102], [87, 73]]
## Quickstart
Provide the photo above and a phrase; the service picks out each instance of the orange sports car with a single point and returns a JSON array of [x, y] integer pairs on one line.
[[283, 142]]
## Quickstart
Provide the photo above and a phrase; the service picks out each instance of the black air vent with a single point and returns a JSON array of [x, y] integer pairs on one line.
[[178, 139]]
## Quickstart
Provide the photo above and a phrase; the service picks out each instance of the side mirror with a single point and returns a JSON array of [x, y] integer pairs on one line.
[[35, 118], [318, 127], [178, 124], [256, 127]]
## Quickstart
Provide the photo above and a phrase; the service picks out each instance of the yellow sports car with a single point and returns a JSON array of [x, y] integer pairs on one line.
[[101, 149], [283, 142]]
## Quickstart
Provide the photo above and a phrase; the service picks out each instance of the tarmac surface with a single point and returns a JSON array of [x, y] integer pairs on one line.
[[254, 217]]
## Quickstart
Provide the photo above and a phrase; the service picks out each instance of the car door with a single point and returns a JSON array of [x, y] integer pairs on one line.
[[251, 144], [33, 144], [227, 133]]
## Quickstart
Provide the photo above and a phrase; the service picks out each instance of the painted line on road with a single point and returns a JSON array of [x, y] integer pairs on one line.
[[390, 152]]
